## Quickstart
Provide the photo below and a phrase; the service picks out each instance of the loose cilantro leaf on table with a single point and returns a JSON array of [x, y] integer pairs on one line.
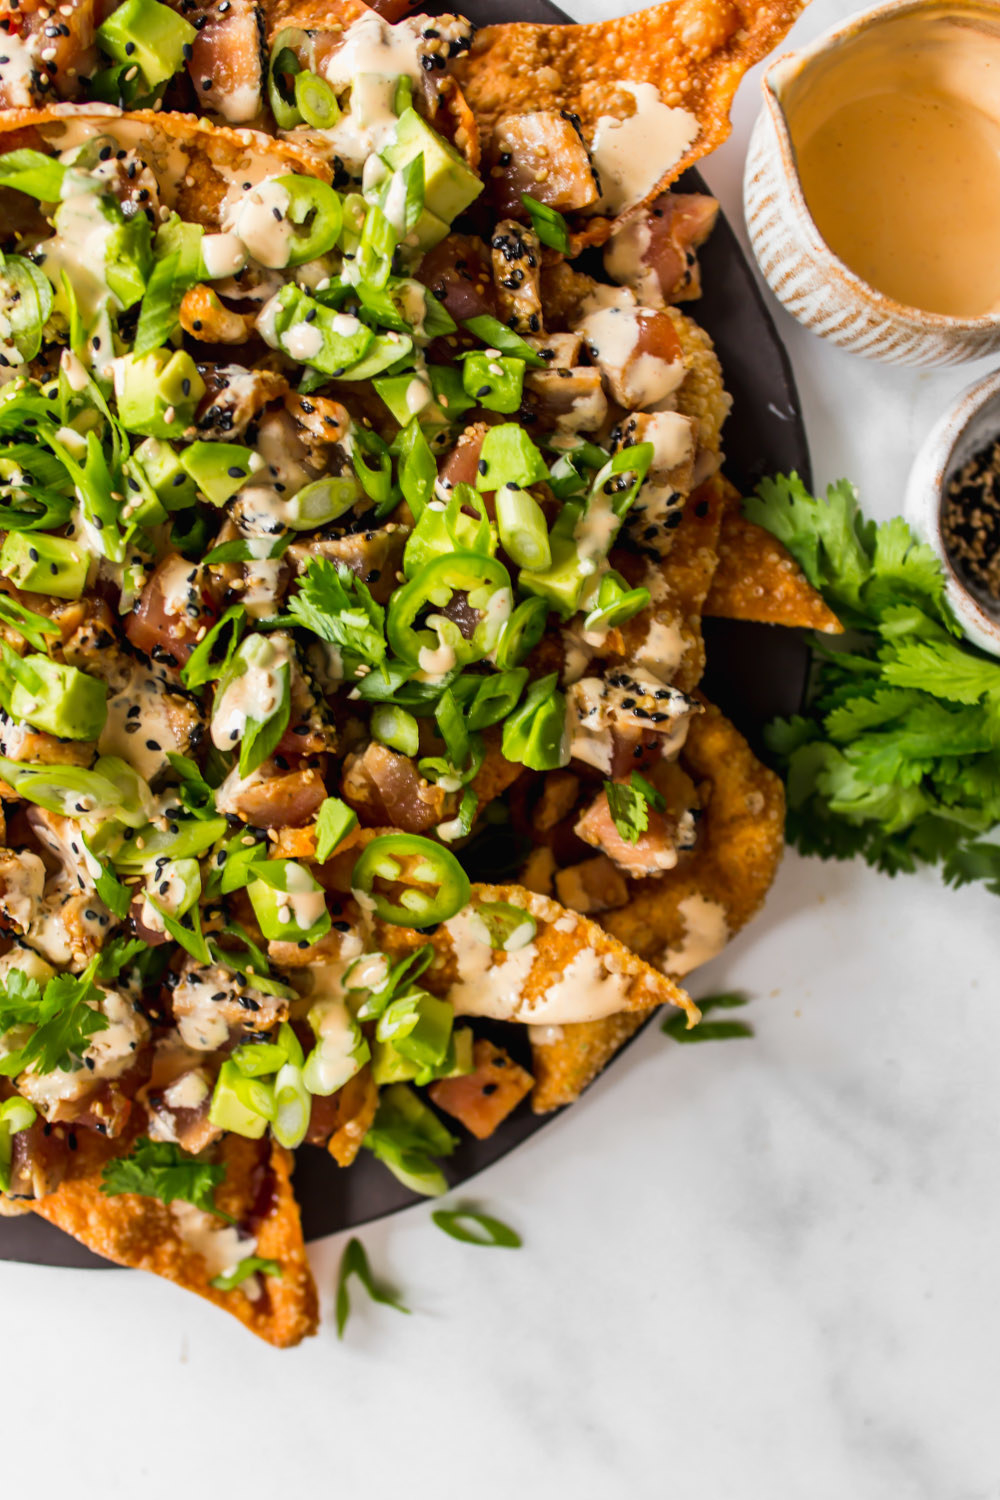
[[897, 757], [159, 1169]]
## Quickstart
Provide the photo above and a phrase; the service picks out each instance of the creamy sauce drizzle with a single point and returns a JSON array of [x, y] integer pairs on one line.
[[632, 155]]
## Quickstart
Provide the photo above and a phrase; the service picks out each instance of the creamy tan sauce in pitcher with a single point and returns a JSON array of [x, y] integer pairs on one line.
[[898, 153]]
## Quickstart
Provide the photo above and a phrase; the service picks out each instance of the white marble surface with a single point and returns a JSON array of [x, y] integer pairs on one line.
[[754, 1271]]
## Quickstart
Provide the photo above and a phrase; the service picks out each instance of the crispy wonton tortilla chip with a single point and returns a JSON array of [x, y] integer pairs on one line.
[[601, 971], [694, 51], [195, 163], [759, 579], [143, 1233], [683, 918], [670, 630]]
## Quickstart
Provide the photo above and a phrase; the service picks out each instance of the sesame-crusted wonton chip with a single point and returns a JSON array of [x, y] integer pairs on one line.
[[570, 968], [693, 51], [195, 163], [145, 1234], [759, 579], [684, 917]]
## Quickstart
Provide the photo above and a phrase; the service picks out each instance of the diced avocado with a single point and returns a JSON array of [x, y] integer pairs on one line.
[[149, 35], [44, 564], [128, 259], [418, 1026], [509, 456], [219, 469], [428, 231], [459, 1059], [449, 186], [436, 396], [158, 393], [390, 1066], [315, 335], [162, 467], [288, 902], [386, 349], [495, 381], [561, 583], [59, 699], [228, 1110]]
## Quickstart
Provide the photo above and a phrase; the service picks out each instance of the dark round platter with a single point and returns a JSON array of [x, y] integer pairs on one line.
[[754, 672]]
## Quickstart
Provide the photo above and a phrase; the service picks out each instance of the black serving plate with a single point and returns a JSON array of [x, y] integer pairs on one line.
[[754, 672]]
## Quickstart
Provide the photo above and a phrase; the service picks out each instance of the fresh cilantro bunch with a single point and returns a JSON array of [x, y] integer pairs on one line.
[[897, 757]]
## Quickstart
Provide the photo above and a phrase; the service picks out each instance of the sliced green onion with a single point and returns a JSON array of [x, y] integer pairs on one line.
[[523, 532], [15, 1115], [315, 101], [495, 697], [494, 1232], [498, 336], [250, 1265], [395, 728], [354, 1262], [548, 223], [510, 927], [535, 733], [292, 1107]]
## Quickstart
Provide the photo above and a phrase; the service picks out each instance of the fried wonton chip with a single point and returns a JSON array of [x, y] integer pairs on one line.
[[759, 579], [686, 916], [667, 637], [195, 163], [693, 51], [570, 967], [145, 1234]]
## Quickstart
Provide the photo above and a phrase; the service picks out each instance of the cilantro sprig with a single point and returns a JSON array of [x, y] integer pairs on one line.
[[338, 607], [50, 1028], [897, 756], [629, 803], [159, 1169]]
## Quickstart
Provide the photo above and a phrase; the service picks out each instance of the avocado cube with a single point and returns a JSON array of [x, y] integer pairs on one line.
[[157, 393], [390, 1066], [59, 699], [219, 469], [495, 381], [449, 186], [44, 564], [561, 583], [227, 1110], [509, 456], [149, 35], [163, 469]]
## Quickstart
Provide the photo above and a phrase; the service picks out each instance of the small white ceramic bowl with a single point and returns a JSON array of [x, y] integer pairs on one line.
[[802, 271], [972, 423]]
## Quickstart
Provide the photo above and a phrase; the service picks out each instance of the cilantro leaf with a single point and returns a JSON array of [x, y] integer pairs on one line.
[[159, 1169], [629, 803], [354, 1262], [629, 810], [62, 1018], [335, 605]]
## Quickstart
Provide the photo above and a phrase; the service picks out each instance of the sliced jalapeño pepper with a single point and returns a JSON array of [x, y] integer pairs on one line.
[[439, 643], [435, 885], [316, 209]]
